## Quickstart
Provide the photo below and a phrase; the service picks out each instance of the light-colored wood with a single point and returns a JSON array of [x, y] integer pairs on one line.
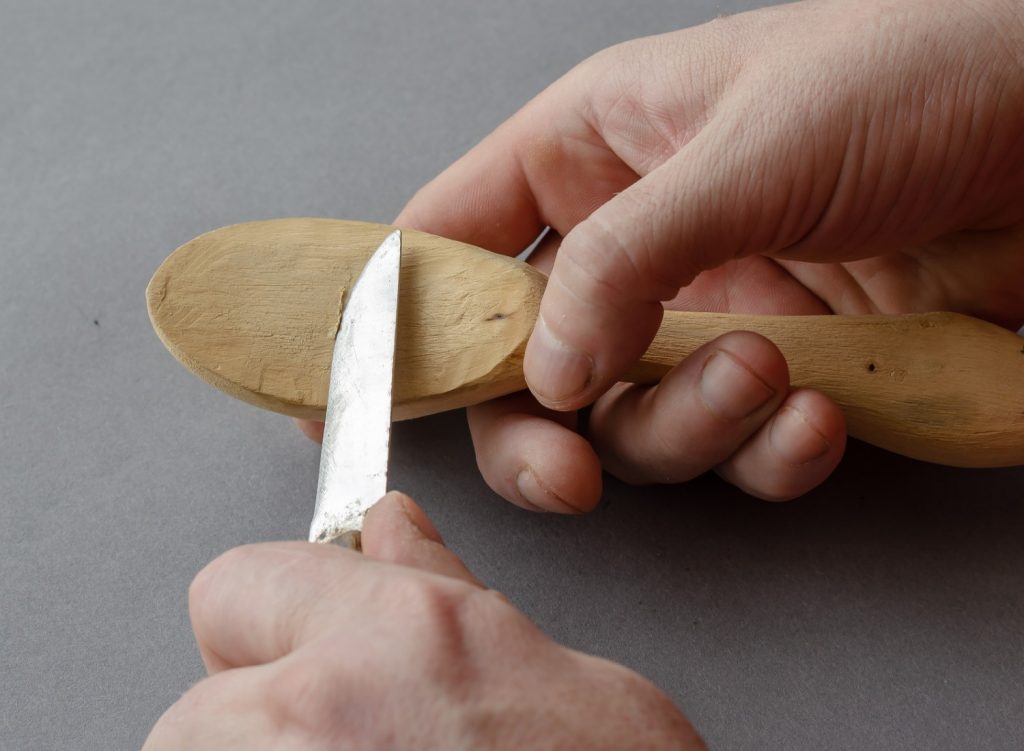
[[253, 309]]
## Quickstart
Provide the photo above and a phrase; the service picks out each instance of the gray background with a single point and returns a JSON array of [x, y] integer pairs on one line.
[[883, 611]]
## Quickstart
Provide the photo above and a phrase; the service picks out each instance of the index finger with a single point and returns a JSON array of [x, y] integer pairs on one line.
[[257, 603]]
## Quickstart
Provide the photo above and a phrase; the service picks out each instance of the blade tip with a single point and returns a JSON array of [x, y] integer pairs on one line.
[[393, 241]]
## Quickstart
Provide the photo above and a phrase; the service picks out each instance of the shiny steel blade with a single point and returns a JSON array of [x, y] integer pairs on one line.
[[357, 429]]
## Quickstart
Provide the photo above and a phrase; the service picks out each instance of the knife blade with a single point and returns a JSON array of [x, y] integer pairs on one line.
[[357, 426]]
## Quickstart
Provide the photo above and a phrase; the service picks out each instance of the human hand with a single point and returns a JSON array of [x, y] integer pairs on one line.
[[314, 647], [809, 158], [820, 157]]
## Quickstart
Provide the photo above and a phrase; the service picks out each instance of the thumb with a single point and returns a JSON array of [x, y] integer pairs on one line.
[[397, 530], [603, 302]]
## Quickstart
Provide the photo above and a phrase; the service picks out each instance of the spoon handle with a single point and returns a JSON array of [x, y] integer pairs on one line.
[[940, 387]]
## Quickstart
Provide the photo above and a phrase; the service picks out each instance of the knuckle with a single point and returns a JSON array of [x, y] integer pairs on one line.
[[307, 698], [429, 601], [438, 643], [444, 627], [201, 695], [598, 261], [629, 446], [433, 606], [209, 715], [488, 621], [677, 454], [204, 586], [169, 730], [686, 439], [594, 263], [462, 626], [185, 717], [485, 608]]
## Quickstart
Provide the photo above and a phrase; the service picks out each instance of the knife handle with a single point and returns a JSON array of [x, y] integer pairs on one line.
[[940, 387]]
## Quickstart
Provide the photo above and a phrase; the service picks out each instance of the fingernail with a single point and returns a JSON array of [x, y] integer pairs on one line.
[[538, 497], [416, 518], [560, 371], [730, 389], [794, 439]]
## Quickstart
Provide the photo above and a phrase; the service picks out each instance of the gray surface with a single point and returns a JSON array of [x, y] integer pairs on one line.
[[883, 611]]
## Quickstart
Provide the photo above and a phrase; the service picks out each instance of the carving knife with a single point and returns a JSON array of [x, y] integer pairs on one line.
[[357, 427]]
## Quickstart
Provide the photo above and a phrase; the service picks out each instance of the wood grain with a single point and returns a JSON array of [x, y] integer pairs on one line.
[[253, 309]]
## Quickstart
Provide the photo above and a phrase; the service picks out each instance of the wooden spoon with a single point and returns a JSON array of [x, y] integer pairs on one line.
[[253, 309]]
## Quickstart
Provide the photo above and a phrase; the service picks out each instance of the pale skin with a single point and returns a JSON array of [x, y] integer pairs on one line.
[[810, 158], [314, 647]]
